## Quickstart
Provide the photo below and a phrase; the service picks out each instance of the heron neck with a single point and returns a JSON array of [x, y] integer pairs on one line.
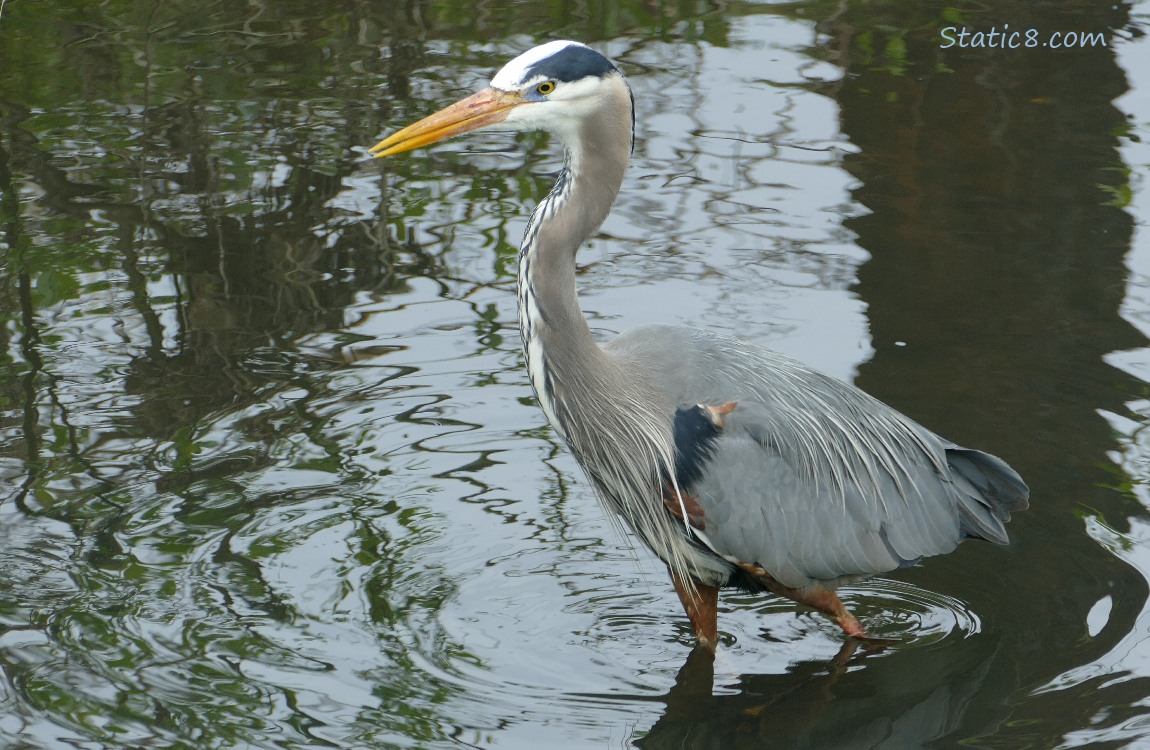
[[562, 356], [567, 217]]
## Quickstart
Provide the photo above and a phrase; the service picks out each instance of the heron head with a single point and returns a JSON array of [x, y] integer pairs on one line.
[[552, 87]]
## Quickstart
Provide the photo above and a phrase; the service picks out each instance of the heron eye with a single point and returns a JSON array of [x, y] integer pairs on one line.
[[546, 87]]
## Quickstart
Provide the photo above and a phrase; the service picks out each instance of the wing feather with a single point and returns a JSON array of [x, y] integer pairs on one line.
[[814, 480]]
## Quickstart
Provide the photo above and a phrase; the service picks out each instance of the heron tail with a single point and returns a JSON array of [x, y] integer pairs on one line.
[[995, 491]]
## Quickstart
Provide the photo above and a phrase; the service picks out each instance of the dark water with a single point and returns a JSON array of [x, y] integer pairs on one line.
[[272, 475]]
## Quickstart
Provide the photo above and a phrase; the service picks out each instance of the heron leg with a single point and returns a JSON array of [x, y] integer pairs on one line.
[[702, 605], [829, 604], [824, 600]]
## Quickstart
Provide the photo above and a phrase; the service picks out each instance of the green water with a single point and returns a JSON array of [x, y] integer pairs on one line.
[[271, 474]]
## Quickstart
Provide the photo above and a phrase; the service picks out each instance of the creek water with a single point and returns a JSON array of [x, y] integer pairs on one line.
[[272, 472]]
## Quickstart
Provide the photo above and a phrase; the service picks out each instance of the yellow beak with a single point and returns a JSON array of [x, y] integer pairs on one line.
[[483, 108]]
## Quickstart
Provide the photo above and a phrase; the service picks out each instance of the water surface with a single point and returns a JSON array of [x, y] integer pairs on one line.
[[272, 471]]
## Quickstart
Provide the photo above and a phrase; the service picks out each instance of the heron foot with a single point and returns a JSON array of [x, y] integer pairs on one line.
[[824, 600]]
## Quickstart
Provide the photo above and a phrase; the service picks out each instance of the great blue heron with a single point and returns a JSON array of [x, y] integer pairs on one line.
[[736, 465]]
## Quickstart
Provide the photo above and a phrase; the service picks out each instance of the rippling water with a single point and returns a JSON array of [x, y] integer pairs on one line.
[[272, 473]]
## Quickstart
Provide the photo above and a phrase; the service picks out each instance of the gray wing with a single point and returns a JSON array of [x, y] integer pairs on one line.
[[812, 479]]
